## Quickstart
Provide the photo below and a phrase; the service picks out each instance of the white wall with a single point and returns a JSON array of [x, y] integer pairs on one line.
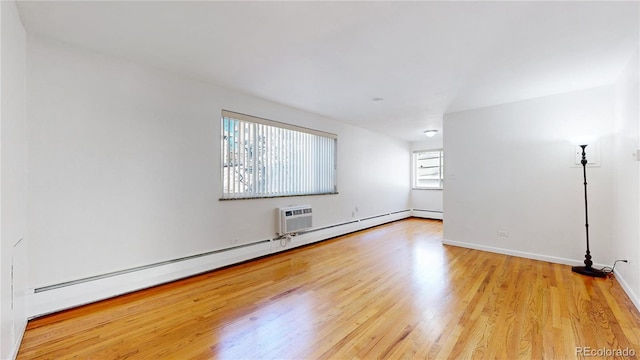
[[510, 168], [12, 181], [626, 181], [124, 167], [427, 203]]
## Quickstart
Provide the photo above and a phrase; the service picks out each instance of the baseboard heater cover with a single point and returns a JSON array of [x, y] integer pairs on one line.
[[399, 211], [143, 267], [353, 221], [433, 211], [48, 299], [185, 258]]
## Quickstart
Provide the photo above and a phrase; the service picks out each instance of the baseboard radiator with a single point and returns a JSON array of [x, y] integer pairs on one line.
[[56, 297], [427, 214]]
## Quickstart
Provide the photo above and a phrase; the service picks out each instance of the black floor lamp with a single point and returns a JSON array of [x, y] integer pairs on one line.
[[586, 269]]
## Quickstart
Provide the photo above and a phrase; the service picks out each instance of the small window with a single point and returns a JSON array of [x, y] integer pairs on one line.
[[265, 158], [428, 169]]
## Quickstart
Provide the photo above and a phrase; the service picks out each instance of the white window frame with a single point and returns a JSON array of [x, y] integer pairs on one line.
[[262, 158], [418, 170]]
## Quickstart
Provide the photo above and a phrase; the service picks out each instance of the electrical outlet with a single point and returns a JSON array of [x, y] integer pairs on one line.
[[503, 233], [234, 241]]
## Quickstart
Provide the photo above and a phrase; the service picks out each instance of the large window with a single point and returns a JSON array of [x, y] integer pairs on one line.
[[265, 158], [428, 169]]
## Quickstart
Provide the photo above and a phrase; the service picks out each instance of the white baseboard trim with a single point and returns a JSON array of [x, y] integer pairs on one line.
[[627, 289], [51, 299], [553, 259], [18, 340], [427, 214], [522, 254]]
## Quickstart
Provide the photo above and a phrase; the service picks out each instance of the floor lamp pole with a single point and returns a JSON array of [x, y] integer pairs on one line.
[[586, 269]]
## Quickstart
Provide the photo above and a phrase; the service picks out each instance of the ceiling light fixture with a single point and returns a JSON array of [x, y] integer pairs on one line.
[[378, 100], [430, 133]]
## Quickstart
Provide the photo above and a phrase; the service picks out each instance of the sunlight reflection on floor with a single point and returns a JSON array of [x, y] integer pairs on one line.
[[269, 328]]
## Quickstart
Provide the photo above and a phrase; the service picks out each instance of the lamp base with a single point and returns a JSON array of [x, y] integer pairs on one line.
[[588, 271]]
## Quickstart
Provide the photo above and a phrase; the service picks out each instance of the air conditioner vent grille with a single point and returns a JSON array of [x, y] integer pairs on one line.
[[294, 219]]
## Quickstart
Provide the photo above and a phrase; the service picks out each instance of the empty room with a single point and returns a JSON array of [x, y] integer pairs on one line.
[[319, 180]]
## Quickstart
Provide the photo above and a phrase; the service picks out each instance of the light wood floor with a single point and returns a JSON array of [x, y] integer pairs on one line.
[[389, 292]]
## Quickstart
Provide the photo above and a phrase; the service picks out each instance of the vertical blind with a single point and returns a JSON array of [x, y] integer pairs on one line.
[[265, 158]]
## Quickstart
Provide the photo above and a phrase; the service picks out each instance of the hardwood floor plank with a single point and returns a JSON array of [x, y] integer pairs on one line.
[[393, 292]]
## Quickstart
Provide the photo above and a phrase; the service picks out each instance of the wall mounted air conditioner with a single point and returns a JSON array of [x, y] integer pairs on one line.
[[293, 219]]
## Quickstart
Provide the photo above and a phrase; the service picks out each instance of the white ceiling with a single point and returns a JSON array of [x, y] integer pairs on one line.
[[333, 58]]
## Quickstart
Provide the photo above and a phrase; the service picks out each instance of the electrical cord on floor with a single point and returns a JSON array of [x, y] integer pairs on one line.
[[609, 270]]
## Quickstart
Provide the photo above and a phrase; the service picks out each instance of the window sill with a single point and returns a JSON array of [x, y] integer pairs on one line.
[[427, 188], [272, 197]]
